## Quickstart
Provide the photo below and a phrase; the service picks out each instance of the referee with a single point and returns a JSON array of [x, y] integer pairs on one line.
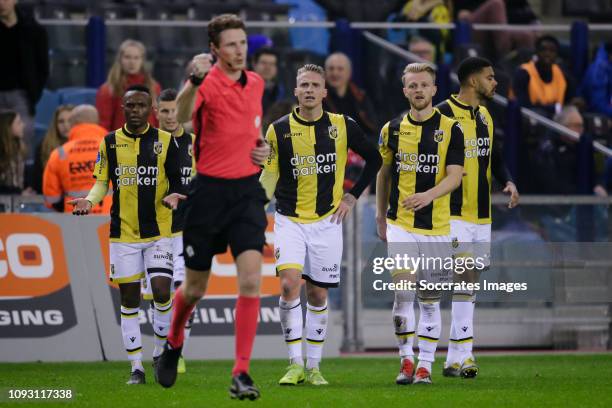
[[226, 201]]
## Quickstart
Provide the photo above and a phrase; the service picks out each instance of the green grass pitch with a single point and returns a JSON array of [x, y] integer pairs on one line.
[[504, 381]]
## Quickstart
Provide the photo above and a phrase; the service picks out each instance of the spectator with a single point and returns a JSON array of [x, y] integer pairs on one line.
[[12, 152], [127, 70], [422, 48], [343, 96], [68, 172], [277, 111], [57, 135], [556, 162], [597, 83], [25, 64], [429, 11], [541, 83], [498, 12], [265, 63]]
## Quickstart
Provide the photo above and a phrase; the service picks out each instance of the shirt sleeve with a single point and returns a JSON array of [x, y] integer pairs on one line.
[[383, 147], [52, 184], [271, 163], [358, 142], [101, 172], [173, 169], [455, 154], [498, 166]]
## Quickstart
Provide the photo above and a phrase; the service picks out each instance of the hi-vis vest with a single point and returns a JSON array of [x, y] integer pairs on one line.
[[545, 93]]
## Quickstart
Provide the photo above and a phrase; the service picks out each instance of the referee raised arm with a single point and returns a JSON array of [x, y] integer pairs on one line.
[[226, 201]]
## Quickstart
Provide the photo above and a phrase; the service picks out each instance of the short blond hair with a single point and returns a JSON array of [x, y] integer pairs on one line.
[[311, 68], [418, 67]]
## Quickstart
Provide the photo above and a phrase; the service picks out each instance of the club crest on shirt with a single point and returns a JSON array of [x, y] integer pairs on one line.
[[438, 135], [333, 132], [277, 253], [190, 150], [158, 147], [483, 119], [455, 242]]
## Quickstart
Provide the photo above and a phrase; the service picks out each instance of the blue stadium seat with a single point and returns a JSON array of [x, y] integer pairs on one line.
[[46, 107], [77, 95]]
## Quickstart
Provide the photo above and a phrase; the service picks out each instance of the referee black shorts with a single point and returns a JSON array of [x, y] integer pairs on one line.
[[219, 212]]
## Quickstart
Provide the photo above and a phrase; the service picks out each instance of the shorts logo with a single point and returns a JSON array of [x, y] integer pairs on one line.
[[455, 243], [333, 132], [332, 269], [277, 253], [190, 150], [438, 135], [257, 121], [158, 147], [189, 251]]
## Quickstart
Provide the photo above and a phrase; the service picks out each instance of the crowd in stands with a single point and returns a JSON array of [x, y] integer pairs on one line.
[[537, 77]]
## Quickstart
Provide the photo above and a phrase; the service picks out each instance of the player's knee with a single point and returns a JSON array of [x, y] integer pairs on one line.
[[429, 296], [290, 286], [193, 293], [316, 295], [161, 295], [130, 294], [249, 286], [404, 296]]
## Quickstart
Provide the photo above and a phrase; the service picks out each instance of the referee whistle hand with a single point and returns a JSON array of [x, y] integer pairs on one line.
[[260, 153], [514, 194], [82, 206], [172, 200]]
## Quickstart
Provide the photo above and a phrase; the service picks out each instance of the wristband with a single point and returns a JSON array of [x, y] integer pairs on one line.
[[195, 80]]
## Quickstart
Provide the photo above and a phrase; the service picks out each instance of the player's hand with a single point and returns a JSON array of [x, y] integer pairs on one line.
[[172, 200], [260, 152], [514, 195], [201, 64], [381, 228], [417, 201], [346, 204], [82, 206]]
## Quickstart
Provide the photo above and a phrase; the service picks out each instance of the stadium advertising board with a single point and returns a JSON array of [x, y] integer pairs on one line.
[[214, 315]]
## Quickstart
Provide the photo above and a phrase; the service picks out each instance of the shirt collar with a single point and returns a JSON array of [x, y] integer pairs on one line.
[[455, 100], [418, 123], [227, 81], [304, 121], [130, 134]]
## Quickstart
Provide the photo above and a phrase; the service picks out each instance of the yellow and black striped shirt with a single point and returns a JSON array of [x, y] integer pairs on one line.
[[186, 162], [419, 153], [471, 201], [141, 168], [310, 158]]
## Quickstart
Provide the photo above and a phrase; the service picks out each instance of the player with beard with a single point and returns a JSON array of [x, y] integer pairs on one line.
[[471, 202], [422, 163]]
